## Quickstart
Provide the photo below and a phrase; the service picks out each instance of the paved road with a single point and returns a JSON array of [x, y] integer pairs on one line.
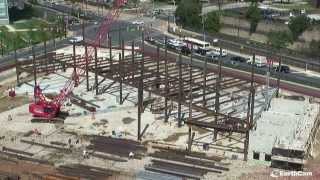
[[27, 52], [295, 75], [241, 74]]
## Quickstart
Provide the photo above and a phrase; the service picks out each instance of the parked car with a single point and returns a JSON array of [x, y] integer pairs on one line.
[[260, 61], [212, 55], [185, 50], [137, 22], [202, 51], [284, 68], [238, 59], [217, 51], [76, 39]]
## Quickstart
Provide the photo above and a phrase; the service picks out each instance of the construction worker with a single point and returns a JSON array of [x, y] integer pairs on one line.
[[84, 154], [9, 117], [131, 155]]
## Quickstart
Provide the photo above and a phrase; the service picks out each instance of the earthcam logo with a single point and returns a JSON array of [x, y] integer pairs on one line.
[[279, 173]]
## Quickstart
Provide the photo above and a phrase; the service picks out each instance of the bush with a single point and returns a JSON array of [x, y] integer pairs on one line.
[[212, 23], [298, 25], [279, 39], [188, 13], [254, 16]]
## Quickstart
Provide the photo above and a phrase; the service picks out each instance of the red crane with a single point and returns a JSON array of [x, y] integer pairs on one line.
[[44, 108]]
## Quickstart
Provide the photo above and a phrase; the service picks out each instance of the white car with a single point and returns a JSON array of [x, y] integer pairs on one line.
[[217, 52], [76, 39], [137, 22]]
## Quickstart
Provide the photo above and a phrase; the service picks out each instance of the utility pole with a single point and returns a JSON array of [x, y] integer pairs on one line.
[[174, 17], [204, 34]]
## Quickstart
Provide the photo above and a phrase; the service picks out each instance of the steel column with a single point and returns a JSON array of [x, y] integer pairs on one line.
[[204, 81], [96, 70], [166, 81], [180, 91], [120, 74], [279, 77]]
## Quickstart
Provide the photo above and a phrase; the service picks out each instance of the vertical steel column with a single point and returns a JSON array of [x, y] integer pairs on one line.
[[190, 99], [279, 77], [204, 81], [250, 119], [252, 88], [180, 91], [34, 72], [86, 54], [140, 99], [87, 66], [166, 81], [190, 84], [189, 139], [158, 68], [132, 60], [142, 71], [110, 53], [218, 81], [120, 74], [140, 90], [74, 57], [17, 66], [45, 55], [119, 36], [217, 97], [123, 73], [96, 69]]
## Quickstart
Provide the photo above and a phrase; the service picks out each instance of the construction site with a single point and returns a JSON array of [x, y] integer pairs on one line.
[[105, 110]]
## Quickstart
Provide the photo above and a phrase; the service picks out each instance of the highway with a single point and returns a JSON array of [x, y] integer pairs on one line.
[[296, 75], [241, 74]]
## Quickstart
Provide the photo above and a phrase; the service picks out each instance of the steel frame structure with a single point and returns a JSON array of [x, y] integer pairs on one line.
[[197, 92]]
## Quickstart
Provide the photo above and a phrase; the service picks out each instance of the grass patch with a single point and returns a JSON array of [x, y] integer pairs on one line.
[[28, 24], [295, 6], [128, 120], [175, 137]]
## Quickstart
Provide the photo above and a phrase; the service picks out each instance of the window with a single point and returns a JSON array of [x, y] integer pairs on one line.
[[256, 155], [267, 157]]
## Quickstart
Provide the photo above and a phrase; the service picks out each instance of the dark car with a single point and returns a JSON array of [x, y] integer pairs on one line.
[[185, 50], [285, 69], [202, 51], [238, 59]]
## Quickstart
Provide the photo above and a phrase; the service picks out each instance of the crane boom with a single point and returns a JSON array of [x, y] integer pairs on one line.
[[41, 107]]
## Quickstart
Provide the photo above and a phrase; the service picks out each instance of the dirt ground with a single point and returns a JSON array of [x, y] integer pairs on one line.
[[25, 170]]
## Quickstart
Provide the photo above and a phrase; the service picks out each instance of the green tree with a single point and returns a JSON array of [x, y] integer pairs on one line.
[[279, 39], [298, 25], [212, 22], [254, 16], [43, 34], [32, 36], [188, 13]]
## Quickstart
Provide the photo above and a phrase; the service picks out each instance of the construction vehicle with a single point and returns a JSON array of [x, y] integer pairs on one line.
[[47, 109]]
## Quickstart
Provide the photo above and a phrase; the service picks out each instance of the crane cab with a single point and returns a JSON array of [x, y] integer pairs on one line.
[[44, 110]]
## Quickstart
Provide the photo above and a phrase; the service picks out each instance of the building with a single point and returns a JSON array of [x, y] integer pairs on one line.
[[4, 14]]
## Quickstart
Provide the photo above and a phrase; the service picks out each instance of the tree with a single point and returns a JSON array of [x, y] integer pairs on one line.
[[188, 13], [213, 24], [298, 25], [254, 16], [279, 39]]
